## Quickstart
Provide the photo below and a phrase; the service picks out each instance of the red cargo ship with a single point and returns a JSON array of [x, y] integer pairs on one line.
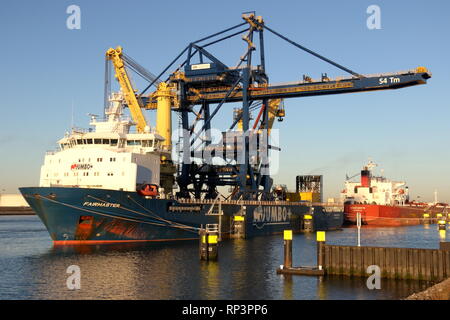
[[382, 202]]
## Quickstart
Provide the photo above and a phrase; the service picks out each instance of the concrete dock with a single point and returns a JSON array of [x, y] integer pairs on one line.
[[13, 211]]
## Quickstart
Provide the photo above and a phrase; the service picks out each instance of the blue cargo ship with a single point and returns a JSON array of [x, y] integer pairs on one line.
[[82, 215], [102, 186]]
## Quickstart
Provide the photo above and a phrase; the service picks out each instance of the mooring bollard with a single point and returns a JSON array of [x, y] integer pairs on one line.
[[287, 268], [203, 245], [426, 218], [308, 222], [320, 246], [442, 235], [239, 227], [287, 235], [209, 249], [442, 224]]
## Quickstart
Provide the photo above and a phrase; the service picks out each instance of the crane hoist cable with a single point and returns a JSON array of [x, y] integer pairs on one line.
[[140, 70]]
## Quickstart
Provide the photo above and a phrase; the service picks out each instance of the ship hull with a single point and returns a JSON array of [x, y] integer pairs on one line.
[[385, 216], [88, 216]]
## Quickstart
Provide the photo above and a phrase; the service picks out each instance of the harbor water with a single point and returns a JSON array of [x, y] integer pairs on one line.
[[32, 268]]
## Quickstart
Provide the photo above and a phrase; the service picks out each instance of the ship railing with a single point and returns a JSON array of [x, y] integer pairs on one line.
[[134, 130], [257, 202], [212, 227], [387, 74], [81, 130], [106, 119]]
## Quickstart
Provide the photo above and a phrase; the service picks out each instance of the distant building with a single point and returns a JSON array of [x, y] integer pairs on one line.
[[12, 200]]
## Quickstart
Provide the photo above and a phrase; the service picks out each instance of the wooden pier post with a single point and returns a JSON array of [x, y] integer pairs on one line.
[[287, 235], [444, 246], [287, 268], [320, 237]]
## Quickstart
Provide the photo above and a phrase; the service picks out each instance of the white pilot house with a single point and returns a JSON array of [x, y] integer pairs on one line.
[[108, 157]]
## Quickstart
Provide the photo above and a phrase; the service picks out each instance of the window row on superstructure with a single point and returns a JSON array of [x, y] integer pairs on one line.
[[145, 143], [85, 174]]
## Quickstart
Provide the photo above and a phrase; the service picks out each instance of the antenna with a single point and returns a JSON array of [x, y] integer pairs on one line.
[[71, 121]]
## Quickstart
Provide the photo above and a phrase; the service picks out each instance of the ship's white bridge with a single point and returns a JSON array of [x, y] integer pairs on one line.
[[109, 156]]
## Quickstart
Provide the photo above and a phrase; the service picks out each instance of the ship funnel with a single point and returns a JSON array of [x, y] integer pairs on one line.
[[365, 178]]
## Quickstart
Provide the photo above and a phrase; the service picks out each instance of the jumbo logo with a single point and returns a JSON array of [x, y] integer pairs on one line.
[[81, 166], [271, 214]]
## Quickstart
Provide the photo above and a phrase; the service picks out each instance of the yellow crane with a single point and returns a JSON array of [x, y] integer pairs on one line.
[[163, 95], [115, 56], [164, 101]]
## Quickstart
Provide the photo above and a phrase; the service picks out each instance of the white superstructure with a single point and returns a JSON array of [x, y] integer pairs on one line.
[[375, 189], [107, 156]]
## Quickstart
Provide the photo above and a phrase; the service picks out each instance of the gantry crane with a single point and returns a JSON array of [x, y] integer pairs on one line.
[[209, 81]]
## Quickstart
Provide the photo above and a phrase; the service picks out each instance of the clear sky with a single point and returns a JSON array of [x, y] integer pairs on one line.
[[46, 67]]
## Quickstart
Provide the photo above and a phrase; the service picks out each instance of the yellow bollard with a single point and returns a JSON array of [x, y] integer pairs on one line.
[[308, 223], [320, 237], [287, 236], [208, 245], [442, 235], [426, 218]]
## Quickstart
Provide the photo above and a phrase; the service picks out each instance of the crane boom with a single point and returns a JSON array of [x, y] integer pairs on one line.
[[349, 85], [115, 56], [298, 89]]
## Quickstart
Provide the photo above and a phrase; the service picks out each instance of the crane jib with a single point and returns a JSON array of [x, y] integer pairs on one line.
[[382, 82]]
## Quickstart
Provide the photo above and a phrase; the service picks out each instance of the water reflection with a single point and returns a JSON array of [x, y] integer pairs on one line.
[[31, 268], [288, 287], [210, 280], [321, 289], [442, 235]]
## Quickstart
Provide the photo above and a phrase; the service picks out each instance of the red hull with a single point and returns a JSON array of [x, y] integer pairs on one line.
[[386, 216]]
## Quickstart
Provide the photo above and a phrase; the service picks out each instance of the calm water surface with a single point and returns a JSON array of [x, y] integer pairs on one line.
[[32, 268]]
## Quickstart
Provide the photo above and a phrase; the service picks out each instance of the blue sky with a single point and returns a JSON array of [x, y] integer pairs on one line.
[[46, 67]]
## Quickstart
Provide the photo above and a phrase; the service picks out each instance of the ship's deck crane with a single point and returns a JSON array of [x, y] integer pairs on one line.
[[210, 81], [129, 93], [163, 105]]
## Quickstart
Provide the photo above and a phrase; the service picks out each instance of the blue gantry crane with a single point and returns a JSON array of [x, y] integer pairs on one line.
[[202, 80]]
